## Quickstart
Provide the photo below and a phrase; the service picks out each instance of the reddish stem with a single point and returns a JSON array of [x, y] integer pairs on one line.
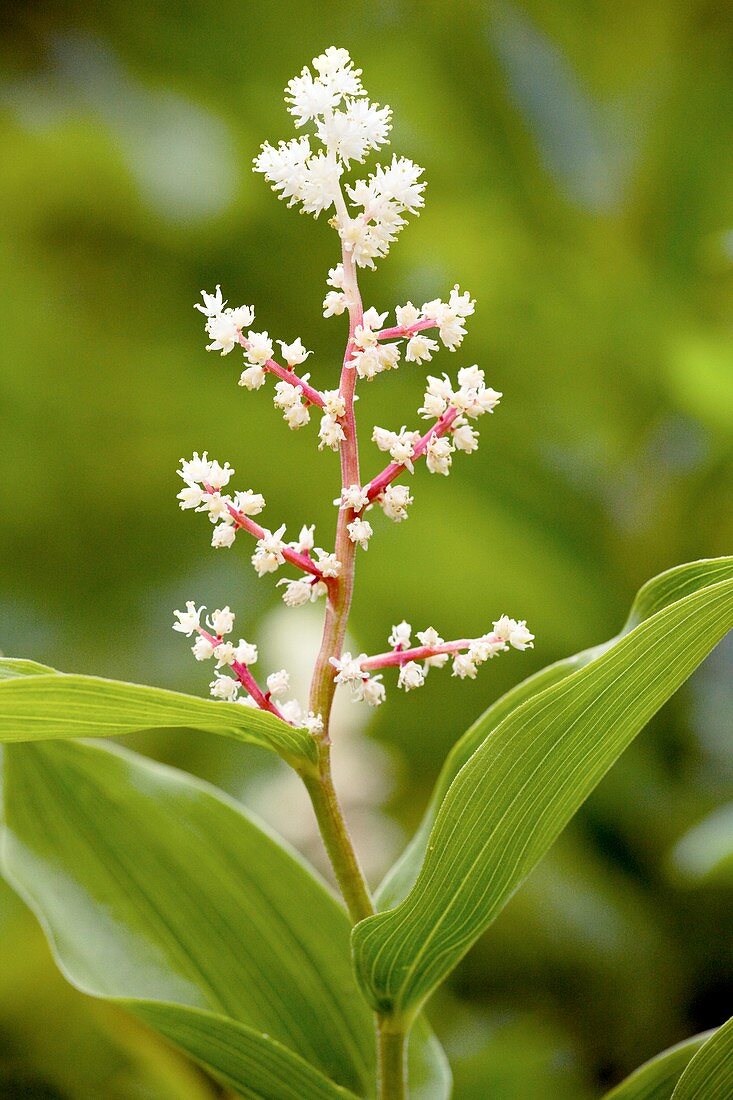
[[312, 396], [245, 678], [400, 331], [379, 483], [418, 653]]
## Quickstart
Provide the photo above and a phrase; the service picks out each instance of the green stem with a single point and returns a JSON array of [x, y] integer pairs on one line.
[[392, 1060], [336, 838]]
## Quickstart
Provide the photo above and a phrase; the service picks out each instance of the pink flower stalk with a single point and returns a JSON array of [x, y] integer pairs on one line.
[[367, 213]]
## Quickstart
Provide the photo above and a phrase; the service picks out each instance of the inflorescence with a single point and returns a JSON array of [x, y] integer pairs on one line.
[[367, 215]]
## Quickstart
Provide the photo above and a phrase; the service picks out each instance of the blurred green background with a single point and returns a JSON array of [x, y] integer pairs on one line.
[[580, 169]]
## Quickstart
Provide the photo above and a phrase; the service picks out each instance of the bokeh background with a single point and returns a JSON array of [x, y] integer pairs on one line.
[[580, 169]]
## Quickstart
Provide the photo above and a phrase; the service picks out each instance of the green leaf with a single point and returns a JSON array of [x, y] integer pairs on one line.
[[709, 1076], [656, 1079], [35, 707], [655, 595], [521, 787], [159, 892], [152, 886], [11, 667]]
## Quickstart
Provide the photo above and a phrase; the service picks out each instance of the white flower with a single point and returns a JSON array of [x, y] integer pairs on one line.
[[306, 539], [217, 506], [513, 632], [294, 353], [259, 348], [292, 711], [297, 592], [420, 349], [330, 433], [224, 332], [400, 636], [224, 687], [195, 470], [278, 683], [213, 303], [471, 377], [465, 438], [202, 649], [224, 654], [438, 397], [219, 476], [284, 167], [328, 564], [438, 455], [221, 622], [245, 653], [401, 445], [269, 553], [188, 620], [190, 496], [333, 403], [296, 416], [395, 501], [253, 377], [462, 304], [360, 531], [248, 502], [484, 648], [223, 535], [407, 315], [313, 723], [348, 668], [411, 676], [353, 496], [430, 637], [369, 691], [336, 277], [463, 666], [286, 395], [334, 303], [365, 336]]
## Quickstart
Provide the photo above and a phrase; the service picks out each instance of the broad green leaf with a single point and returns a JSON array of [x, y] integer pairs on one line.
[[158, 891], [152, 886], [521, 787], [656, 1079], [655, 595], [35, 707], [709, 1076], [253, 1064]]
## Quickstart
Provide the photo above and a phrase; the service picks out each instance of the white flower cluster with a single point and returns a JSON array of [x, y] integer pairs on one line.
[[506, 633], [204, 478], [348, 127], [364, 688], [224, 326], [372, 356]]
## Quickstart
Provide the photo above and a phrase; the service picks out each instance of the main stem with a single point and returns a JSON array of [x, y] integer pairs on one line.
[[391, 1043]]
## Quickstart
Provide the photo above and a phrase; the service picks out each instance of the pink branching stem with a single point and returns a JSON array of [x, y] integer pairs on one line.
[[312, 396], [379, 483], [295, 557], [418, 653], [405, 331], [246, 679]]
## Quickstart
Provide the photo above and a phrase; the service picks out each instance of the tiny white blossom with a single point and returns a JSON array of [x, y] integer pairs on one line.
[[223, 535], [249, 503], [195, 470], [400, 636], [245, 653], [278, 683], [269, 553], [221, 622], [202, 649], [353, 496], [188, 620], [294, 353], [259, 348], [306, 540], [513, 632], [360, 531], [213, 303], [219, 476], [438, 397], [224, 332], [330, 433], [224, 654], [224, 687], [336, 277], [407, 315], [292, 711], [348, 668], [465, 438], [370, 691], [334, 403], [329, 564], [411, 676], [252, 378], [430, 637], [463, 666], [334, 303], [395, 501], [217, 506], [313, 723], [420, 349], [438, 455], [190, 496]]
